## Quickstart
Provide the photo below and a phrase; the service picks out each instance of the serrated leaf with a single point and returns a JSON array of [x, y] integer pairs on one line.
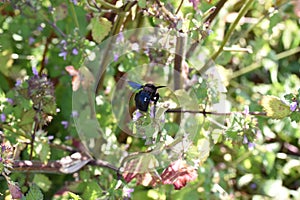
[[34, 193], [43, 150], [42, 181], [27, 118], [274, 107], [100, 28]]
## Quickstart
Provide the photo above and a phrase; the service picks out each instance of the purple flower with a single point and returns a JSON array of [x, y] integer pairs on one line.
[[245, 140], [10, 101], [50, 137], [251, 145], [0, 159], [74, 51], [74, 113], [3, 117], [120, 38], [63, 54], [293, 106], [195, 3], [64, 43], [34, 71], [68, 137], [40, 28], [127, 192], [65, 124], [246, 110], [3, 148], [137, 115], [116, 57], [31, 40], [75, 2], [18, 83], [253, 186]]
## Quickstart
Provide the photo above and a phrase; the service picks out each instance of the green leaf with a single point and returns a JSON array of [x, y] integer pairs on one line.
[[269, 160], [74, 196], [295, 116], [34, 193], [92, 191], [42, 149], [61, 12], [100, 28], [142, 3], [274, 107], [42, 181]]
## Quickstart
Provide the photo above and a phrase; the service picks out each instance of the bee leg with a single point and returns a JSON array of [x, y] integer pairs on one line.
[[155, 100]]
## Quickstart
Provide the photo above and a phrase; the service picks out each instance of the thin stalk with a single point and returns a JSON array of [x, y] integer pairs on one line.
[[232, 27], [255, 113], [74, 16], [179, 7]]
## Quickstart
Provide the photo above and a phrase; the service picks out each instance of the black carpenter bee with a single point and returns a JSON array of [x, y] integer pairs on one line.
[[147, 93]]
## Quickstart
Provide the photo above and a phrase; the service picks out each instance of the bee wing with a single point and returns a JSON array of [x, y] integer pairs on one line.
[[135, 85]]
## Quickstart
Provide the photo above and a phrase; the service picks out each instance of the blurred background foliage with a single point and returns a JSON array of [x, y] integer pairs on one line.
[[261, 57]]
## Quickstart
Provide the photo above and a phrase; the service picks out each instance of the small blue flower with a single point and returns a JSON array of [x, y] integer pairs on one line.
[[31, 40], [50, 137], [34, 71], [293, 106], [116, 57], [120, 38], [10, 101], [251, 145], [3, 117], [74, 113], [127, 192], [253, 186], [63, 54], [3, 148], [246, 110], [40, 28], [137, 115], [75, 51], [75, 2], [18, 83], [245, 140], [65, 124]]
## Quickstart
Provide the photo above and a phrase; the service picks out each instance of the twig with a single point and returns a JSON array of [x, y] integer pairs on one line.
[[52, 166], [242, 12], [43, 62], [213, 113], [179, 57], [218, 7], [115, 30], [179, 7]]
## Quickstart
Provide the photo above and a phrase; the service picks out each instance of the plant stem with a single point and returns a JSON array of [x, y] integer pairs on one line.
[[75, 16], [232, 27], [179, 7], [255, 113]]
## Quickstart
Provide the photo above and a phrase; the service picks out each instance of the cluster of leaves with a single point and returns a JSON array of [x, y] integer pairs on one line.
[[247, 151]]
